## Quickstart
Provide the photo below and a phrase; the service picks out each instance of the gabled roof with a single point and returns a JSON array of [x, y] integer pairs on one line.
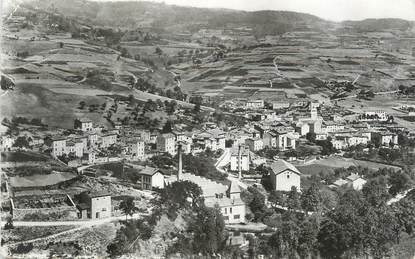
[[353, 177], [149, 171], [234, 187], [280, 166]]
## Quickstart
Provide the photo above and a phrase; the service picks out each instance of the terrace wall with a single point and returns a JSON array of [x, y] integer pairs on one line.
[[60, 213]]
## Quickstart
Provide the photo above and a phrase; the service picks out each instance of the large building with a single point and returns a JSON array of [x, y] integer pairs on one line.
[[239, 161], [284, 176], [166, 143], [58, 146]]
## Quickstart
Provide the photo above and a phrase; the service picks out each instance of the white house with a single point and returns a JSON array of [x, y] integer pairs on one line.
[[355, 181], [255, 104], [150, 178], [230, 204], [284, 176], [239, 159], [58, 146]]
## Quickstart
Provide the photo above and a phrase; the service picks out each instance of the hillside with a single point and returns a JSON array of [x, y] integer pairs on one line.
[[159, 15]]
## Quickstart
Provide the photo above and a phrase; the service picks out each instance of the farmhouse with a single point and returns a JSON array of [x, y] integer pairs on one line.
[[149, 178], [284, 176], [94, 205]]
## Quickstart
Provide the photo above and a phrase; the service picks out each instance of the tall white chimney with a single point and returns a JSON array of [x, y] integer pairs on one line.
[[180, 171], [240, 163]]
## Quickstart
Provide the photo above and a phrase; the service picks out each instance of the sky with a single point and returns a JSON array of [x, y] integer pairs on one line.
[[335, 10]]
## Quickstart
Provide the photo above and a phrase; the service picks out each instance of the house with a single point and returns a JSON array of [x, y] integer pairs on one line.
[[166, 143], [214, 139], [302, 128], [385, 138], [374, 116], [280, 105], [254, 144], [94, 205], [89, 156], [92, 139], [58, 146], [254, 104], [239, 159], [355, 181], [332, 126], [231, 205], [135, 148], [75, 148], [108, 140], [284, 176], [338, 183], [282, 140], [149, 178], [83, 124]]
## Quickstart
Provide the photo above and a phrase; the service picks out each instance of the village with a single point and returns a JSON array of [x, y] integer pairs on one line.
[[273, 151], [224, 138]]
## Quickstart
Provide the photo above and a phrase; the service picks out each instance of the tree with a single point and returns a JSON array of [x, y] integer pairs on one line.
[[399, 181], [82, 105], [375, 191], [128, 207], [405, 214], [9, 223], [208, 231], [277, 198], [21, 142], [311, 199], [181, 194], [311, 136], [284, 241], [158, 51], [167, 128], [257, 205], [293, 200]]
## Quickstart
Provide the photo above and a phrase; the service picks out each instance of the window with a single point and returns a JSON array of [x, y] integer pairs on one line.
[[230, 210], [236, 216], [288, 176], [226, 210], [226, 218], [104, 209]]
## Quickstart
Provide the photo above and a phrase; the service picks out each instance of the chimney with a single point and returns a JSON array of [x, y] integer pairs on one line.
[[180, 171], [240, 163]]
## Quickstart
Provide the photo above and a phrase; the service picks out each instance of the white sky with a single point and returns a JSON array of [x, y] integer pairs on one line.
[[336, 10]]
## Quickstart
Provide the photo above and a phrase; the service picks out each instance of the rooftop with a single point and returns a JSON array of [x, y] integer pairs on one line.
[[280, 166]]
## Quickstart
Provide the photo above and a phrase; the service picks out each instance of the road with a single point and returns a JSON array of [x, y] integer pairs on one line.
[[85, 223]]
